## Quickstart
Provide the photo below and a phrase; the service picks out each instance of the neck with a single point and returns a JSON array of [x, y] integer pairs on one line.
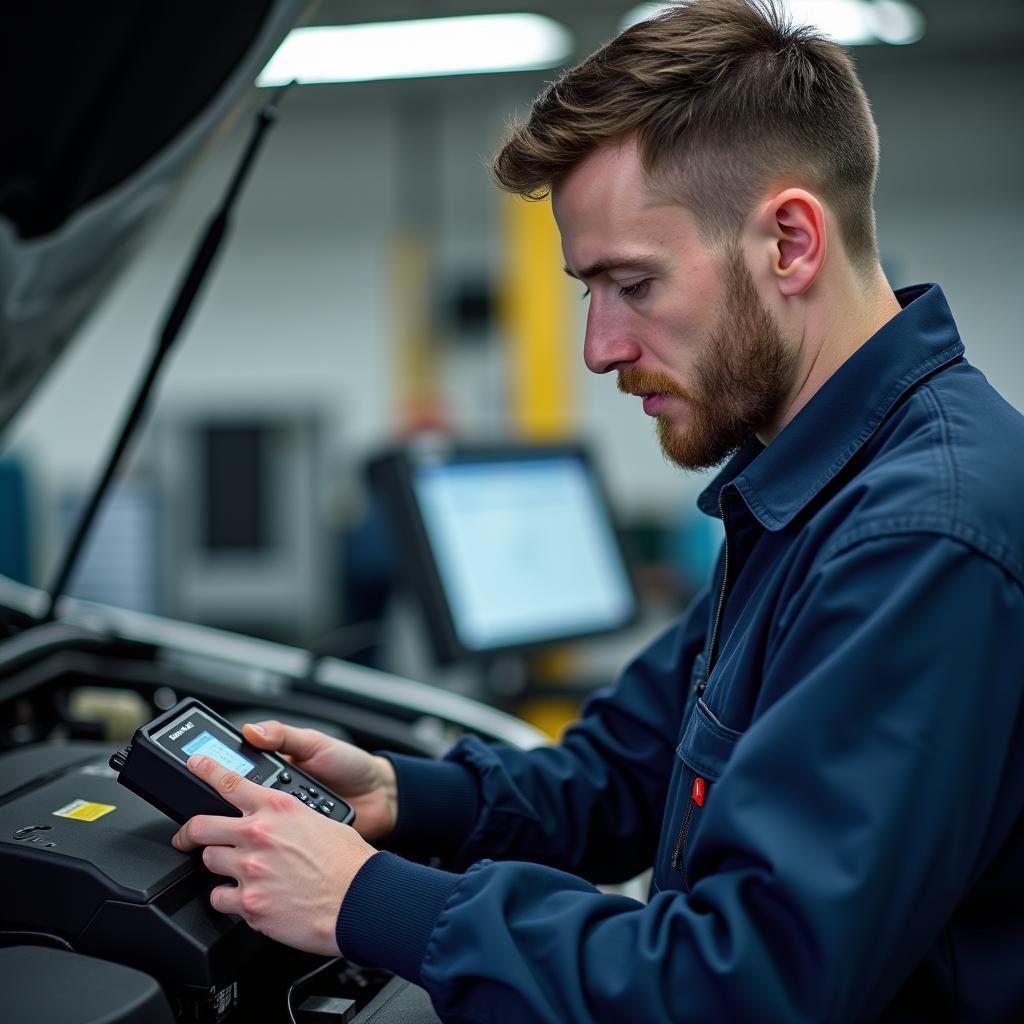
[[832, 331]]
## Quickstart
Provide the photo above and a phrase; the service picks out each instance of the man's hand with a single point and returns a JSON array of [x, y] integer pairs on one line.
[[365, 781], [293, 866]]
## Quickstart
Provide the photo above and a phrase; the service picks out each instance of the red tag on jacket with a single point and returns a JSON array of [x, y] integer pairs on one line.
[[698, 791]]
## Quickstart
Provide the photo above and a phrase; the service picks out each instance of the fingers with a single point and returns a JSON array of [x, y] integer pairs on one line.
[[242, 793], [222, 860], [227, 899], [205, 829], [300, 744]]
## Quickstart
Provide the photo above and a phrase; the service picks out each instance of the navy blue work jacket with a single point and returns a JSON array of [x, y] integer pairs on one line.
[[823, 760]]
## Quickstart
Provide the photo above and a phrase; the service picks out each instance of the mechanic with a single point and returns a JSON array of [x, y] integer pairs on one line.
[[824, 759]]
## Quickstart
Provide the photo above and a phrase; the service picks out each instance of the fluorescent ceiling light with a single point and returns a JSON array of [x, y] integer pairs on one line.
[[850, 22], [418, 49]]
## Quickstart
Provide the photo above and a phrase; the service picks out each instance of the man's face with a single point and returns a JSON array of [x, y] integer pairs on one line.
[[682, 324]]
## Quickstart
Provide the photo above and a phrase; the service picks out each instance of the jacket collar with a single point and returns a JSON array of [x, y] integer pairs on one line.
[[777, 481]]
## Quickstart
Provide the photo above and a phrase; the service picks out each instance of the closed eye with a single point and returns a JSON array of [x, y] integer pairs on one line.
[[628, 291], [635, 291]]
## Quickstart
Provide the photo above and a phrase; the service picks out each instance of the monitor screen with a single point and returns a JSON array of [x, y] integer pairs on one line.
[[522, 545]]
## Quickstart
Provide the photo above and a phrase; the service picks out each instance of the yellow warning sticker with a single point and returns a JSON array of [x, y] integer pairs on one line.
[[84, 810]]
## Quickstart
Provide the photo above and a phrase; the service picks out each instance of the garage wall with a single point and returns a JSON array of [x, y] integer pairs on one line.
[[301, 311]]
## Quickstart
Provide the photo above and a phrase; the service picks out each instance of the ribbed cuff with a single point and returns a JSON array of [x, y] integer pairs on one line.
[[389, 912], [438, 806]]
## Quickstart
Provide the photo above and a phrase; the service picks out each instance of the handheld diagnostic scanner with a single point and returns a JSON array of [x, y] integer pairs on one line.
[[154, 766]]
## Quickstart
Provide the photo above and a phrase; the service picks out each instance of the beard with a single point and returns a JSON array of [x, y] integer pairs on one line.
[[741, 378]]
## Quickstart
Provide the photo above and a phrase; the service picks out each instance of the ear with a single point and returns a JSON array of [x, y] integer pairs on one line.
[[790, 229]]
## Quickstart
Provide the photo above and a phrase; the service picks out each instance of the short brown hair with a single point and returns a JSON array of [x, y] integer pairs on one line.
[[726, 98]]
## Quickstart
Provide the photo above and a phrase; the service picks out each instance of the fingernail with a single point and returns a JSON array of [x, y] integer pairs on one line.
[[260, 730], [196, 762]]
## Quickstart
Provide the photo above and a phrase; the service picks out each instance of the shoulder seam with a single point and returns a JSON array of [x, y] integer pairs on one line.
[[926, 524]]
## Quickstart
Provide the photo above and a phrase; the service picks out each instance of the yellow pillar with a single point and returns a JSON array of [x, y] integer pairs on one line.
[[537, 323], [420, 404], [539, 329]]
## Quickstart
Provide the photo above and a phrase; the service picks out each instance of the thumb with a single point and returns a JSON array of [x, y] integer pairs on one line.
[[300, 744]]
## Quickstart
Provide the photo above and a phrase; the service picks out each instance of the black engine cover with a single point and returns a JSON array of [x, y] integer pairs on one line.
[[84, 859]]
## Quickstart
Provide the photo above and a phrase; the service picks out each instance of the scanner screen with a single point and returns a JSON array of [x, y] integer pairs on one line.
[[195, 732], [209, 746]]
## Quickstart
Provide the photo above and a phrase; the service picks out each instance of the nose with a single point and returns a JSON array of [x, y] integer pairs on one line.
[[607, 346]]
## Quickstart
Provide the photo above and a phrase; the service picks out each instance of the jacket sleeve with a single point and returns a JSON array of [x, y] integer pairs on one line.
[[592, 804], [873, 788]]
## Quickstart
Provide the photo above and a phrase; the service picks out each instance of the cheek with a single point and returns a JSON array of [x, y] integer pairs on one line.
[[678, 337]]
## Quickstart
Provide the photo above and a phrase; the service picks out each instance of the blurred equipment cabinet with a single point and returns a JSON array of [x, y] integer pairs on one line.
[[245, 545]]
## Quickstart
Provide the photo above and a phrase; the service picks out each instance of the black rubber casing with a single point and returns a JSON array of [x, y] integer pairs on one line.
[[149, 769]]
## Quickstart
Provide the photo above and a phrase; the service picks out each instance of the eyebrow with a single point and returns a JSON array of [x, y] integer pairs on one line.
[[602, 266]]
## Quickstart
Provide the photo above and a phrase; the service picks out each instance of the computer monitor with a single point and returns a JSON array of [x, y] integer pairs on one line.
[[507, 548]]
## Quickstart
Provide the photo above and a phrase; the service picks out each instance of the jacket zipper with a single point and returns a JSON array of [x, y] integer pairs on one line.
[[702, 684], [696, 800]]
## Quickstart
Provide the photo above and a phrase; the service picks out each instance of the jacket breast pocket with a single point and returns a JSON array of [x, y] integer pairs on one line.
[[705, 750]]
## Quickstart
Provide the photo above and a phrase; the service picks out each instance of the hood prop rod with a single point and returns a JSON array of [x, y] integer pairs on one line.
[[202, 260]]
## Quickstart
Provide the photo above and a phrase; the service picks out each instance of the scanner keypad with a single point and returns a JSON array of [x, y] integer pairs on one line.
[[310, 796]]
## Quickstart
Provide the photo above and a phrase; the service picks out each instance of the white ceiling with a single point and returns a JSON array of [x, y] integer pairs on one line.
[[960, 29]]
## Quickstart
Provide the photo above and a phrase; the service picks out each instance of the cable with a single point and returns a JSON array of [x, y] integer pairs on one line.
[[301, 981]]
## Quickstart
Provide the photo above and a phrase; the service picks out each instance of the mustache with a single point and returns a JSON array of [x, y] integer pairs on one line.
[[635, 380]]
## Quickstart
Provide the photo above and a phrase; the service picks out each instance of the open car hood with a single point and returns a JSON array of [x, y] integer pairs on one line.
[[105, 113]]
